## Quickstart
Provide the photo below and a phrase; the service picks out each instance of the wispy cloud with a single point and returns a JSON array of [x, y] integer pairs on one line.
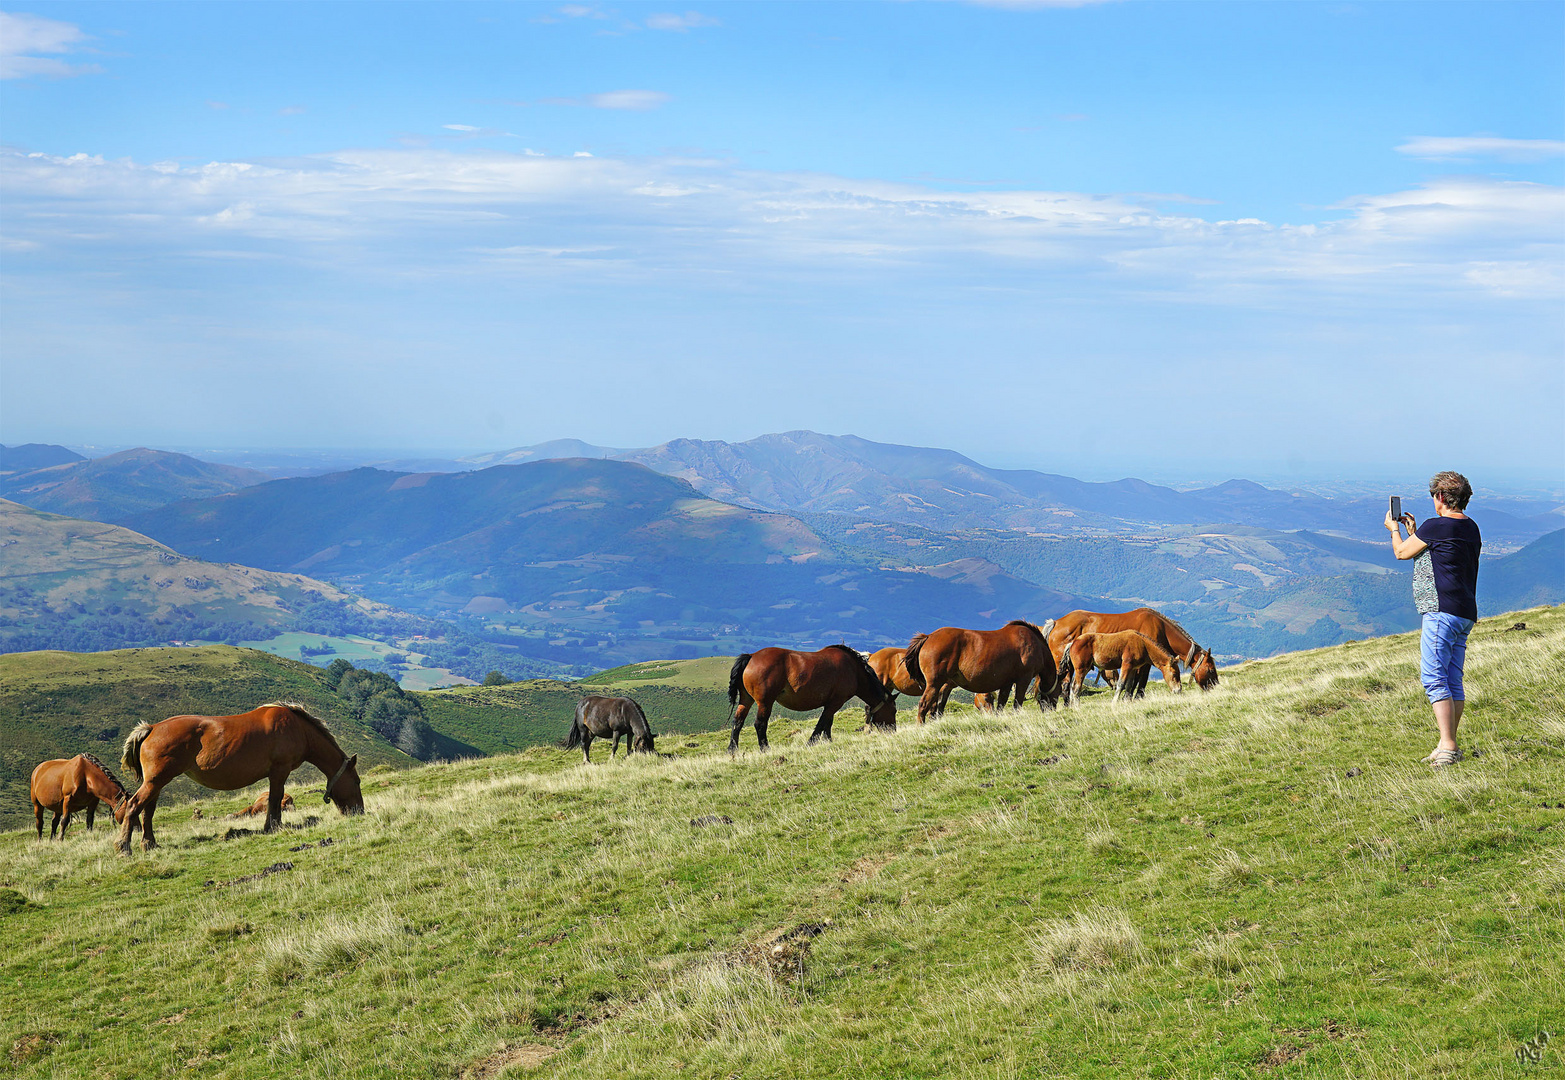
[[690, 20], [1448, 148], [292, 110], [630, 100], [1029, 5], [23, 36], [1480, 236]]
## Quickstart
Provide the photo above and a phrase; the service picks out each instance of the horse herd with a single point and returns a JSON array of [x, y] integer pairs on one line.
[[1001, 666]]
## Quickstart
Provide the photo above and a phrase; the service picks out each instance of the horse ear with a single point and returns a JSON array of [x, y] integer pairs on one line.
[[353, 761]]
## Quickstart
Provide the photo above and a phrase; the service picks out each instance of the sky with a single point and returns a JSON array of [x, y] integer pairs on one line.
[[1103, 239]]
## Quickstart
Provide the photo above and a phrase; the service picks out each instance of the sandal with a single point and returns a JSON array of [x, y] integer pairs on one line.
[[1442, 758]]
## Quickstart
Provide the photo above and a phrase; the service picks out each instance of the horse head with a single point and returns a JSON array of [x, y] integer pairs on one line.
[[643, 743], [343, 788], [882, 717], [1204, 671]]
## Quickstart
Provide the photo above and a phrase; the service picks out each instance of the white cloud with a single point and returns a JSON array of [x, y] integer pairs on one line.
[[421, 208], [690, 20], [22, 35], [460, 127], [1472, 146], [291, 110], [634, 100], [581, 153]]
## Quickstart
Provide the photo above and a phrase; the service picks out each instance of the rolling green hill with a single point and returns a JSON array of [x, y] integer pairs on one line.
[[1258, 881], [118, 485], [57, 705]]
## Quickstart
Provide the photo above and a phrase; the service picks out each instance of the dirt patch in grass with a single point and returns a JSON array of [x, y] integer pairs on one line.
[[32, 1046], [1280, 1055], [525, 1055], [783, 951], [867, 867]]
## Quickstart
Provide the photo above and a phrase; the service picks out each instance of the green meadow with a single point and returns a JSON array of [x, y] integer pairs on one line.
[[1260, 881]]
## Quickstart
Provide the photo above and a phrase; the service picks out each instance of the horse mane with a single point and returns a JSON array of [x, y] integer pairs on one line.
[[306, 714], [1031, 626], [1175, 624], [863, 667], [110, 774]]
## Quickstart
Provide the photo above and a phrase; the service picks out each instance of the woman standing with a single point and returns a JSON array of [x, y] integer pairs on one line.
[[1445, 587]]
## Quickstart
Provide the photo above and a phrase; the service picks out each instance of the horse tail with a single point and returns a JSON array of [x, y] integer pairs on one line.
[[736, 681], [573, 740], [910, 657], [131, 757]]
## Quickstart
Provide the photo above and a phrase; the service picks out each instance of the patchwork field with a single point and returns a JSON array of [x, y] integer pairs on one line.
[[1258, 881]]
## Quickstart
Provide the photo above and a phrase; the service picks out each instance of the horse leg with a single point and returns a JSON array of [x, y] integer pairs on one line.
[[586, 747], [823, 725], [92, 812], [733, 740], [940, 710], [928, 700], [763, 716], [38, 816], [274, 802], [58, 814]]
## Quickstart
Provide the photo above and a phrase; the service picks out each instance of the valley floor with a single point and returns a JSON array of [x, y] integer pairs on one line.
[[1258, 881]]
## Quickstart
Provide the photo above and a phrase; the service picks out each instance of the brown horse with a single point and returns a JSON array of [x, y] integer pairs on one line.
[[895, 679], [227, 753], [71, 784], [1127, 653], [1168, 634], [259, 806], [983, 661], [802, 681]]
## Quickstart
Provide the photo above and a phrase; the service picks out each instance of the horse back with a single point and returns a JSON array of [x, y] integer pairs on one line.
[[226, 752]]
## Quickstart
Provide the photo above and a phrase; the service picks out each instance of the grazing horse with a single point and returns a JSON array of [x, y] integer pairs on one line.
[[894, 679], [1126, 653], [600, 717], [1148, 623], [227, 753], [802, 681], [983, 661], [259, 806], [71, 784]]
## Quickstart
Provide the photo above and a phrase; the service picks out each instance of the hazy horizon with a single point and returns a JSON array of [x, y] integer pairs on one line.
[[1175, 241]]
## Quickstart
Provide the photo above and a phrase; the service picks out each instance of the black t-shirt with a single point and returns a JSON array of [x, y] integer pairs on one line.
[[1454, 545]]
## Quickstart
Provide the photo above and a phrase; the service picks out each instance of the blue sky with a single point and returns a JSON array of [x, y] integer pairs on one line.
[[1108, 238]]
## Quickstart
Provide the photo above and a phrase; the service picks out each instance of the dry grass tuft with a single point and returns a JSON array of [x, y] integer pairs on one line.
[[1096, 938], [1228, 871], [1102, 841], [335, 944]]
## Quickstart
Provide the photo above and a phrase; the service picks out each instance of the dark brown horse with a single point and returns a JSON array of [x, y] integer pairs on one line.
[[1168, 634], [71, 784], [983, 661], [601, 717], [227, 753], [802, 681], [1130, 655]]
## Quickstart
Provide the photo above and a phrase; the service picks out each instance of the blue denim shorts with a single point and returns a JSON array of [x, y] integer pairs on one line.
[[1442, 651]]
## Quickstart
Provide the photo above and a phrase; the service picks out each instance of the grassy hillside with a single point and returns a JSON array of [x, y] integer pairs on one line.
[[1259, 881], [86, 586], [118, 485]]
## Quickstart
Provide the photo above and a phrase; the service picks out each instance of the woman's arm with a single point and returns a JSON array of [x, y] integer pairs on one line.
[[1404, 547]]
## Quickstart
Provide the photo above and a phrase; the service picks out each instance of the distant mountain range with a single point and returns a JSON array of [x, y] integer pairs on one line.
[[113, 487], [580, 555], [588, 552], [805, 472]]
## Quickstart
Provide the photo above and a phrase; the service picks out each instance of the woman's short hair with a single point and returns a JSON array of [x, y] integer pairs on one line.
[[1452, 489]]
